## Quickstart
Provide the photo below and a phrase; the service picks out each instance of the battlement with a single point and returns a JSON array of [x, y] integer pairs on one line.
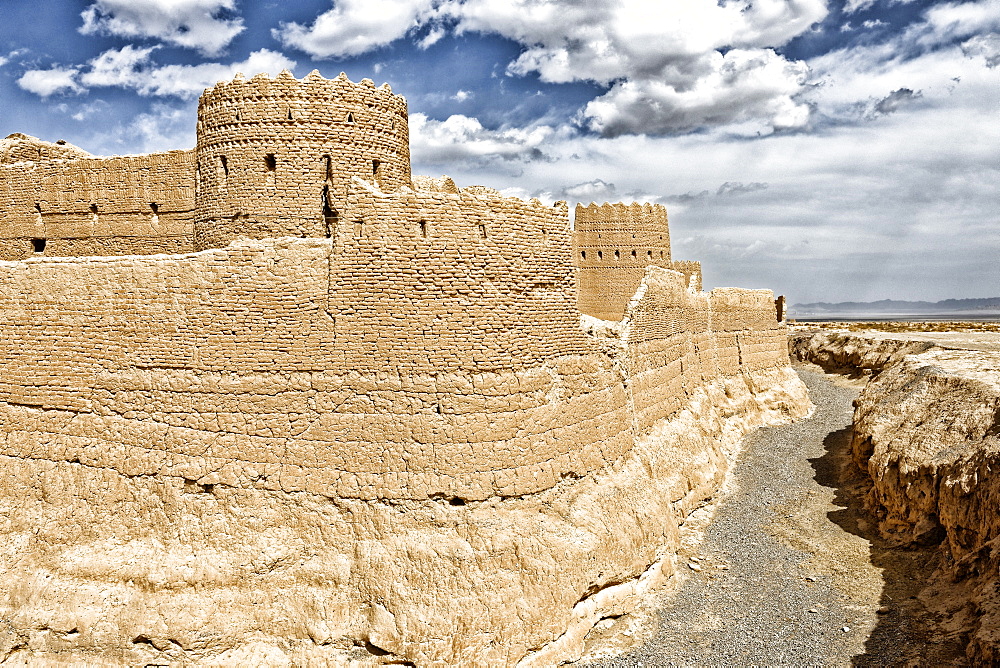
[[635, 215], [314, 87]]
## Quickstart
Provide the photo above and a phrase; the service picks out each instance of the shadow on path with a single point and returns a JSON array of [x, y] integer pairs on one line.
[[905, 633]]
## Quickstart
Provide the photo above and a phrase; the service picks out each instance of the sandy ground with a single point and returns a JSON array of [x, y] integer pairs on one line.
[[789, 572]]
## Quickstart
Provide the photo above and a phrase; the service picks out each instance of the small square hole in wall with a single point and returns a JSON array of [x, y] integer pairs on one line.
[[38, 245]]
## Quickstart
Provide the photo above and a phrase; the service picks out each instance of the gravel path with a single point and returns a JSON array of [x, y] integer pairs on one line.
[[785, 574]]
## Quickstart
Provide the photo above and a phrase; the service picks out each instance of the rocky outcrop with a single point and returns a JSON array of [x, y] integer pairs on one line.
[[927, 432], [850, 352]]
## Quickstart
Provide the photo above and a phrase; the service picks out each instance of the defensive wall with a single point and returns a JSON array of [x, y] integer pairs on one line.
[[410, 355], [62, 203]]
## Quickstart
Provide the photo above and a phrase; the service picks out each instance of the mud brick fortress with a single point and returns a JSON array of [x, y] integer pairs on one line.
[[418, 418], [286, 306]]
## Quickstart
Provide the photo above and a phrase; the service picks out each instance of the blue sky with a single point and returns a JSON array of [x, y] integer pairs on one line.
[[828, 150]]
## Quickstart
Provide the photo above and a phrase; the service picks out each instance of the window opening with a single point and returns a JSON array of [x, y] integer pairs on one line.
[[618, 255], [329, 167], [649, 255], [359, 228], [289, 114], [633, 255], [423, 228], [482, 231], [38, 245], [600, 255], [271, 163], [583, 255], [93, 212], [350, 117], [223, 168], [330, 215], [237, 114], [155, 208], [38, 212]]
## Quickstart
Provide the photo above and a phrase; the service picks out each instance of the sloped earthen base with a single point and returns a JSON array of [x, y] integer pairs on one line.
[[106, 569]]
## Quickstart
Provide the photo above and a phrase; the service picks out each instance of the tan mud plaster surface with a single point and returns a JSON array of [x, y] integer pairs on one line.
[[389, 440]]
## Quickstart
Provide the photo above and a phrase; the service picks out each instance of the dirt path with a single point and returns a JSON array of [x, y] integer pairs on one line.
[[789, 572]]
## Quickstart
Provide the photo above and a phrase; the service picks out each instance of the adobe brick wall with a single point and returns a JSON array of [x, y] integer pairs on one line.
[[131, 205], [244, 366]]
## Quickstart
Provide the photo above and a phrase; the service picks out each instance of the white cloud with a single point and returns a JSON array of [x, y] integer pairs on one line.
[[462, 95], [604, 41], [463, 139], [987, 46], [923, 63], [190, 80], [664, 59], [590, 191], [959, 20], [755, 87], [131, 67], [195, 24], [45, 83], [81, 112], [10, 56], [117, 67], [165, 127], [353, 27]]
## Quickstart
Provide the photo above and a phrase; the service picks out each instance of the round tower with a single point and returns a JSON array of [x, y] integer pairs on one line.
[[276, 156]]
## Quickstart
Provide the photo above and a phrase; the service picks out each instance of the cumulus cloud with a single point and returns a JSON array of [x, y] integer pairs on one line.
[[605, 41], [133, 68], [464, 139], [742, 86], [204, 25], [669, 66], [895, 100], [45, 83], [589, 191], [353, 27], [987, 46]]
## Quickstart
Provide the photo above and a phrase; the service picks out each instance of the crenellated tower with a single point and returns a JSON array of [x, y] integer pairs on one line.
[[276, 157], [613, 245]]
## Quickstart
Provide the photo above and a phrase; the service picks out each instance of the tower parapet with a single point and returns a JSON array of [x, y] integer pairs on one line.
[[613, 245], [276, 156]]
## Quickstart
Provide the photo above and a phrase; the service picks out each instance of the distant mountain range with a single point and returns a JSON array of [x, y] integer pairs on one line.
[[897, 307]]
